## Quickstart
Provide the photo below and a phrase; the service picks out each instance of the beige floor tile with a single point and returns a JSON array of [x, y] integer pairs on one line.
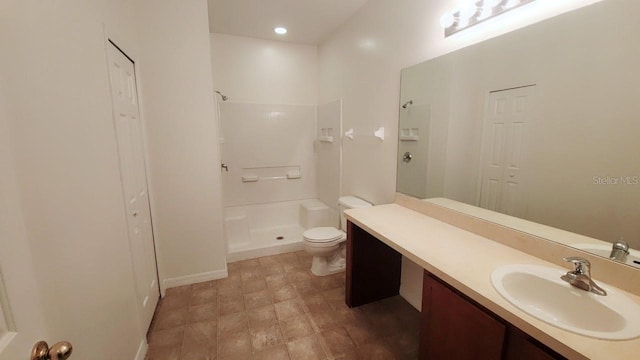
[[230, 304], [306, 348], [199, 352], [278, 352], [205, 312], [361, 334], [338, 342], [316, 303], [289, 308], [276, 281], [170, 318], [232, 323], [305, 288], [286, 292], [203, 295], [274, 308], [257, 299], [261, 315], [272, 269], [254, 285], [236, 346], [164, 352], [168, 337], [201, 333], [298, 275], [265, 336], [325, 320], [251, 274], [296, 327]]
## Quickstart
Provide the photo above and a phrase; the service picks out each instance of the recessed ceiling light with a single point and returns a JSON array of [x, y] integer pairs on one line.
[[280, 30]]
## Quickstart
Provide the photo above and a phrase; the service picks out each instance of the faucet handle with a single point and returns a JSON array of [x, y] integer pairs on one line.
[[582, 265]]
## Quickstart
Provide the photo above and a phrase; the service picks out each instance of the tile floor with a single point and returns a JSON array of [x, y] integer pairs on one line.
[[274, 308]]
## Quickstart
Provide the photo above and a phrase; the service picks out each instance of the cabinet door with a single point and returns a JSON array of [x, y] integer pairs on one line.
[[522, 347], [456, 329]]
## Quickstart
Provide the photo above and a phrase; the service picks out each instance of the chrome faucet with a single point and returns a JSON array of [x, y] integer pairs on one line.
[[580, 277], [619, 251]]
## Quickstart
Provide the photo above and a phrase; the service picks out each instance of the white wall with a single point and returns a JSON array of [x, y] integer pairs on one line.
[[66, 166], [361, 64], [329, 154], [18, 273], [263, 71], [178, 108], [67, 182]]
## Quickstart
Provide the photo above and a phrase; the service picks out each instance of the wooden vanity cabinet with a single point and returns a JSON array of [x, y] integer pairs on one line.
[[454, 327]]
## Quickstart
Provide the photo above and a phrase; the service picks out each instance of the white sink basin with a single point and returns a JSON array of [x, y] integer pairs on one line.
[[539, 291], [605, 250]]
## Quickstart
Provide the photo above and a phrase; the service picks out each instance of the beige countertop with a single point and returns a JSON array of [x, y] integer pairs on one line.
[[466, 261]]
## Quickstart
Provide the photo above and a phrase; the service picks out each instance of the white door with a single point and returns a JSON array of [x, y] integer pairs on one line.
[[502, 184], [134, 181]]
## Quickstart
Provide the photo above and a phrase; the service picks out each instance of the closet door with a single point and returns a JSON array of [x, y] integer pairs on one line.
[[134, 181]]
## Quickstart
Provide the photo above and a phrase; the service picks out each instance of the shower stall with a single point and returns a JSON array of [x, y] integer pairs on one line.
[[269, 180]]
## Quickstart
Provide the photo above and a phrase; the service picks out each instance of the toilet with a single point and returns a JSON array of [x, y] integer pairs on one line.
[[327, 244]]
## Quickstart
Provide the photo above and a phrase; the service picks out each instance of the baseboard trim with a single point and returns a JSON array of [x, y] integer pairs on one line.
[[195, 278], [142, 350]]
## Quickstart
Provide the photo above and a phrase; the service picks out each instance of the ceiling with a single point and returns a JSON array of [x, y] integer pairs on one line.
[[308, 21]]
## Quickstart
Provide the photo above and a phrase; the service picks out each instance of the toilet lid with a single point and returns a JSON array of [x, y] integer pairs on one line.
[[323, 234]]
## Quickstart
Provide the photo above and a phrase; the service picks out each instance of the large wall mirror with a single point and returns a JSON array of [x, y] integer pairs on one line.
[[542, 123]]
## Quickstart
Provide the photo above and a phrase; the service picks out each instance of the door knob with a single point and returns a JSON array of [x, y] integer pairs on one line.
[[407, 157], [59, 351]]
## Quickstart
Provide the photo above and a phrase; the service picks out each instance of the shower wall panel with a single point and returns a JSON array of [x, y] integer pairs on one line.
[[270, 144]]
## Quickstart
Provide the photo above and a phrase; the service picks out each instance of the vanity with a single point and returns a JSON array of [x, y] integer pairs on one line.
[[463, 316]]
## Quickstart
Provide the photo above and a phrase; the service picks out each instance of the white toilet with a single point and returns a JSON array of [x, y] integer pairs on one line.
[[327, 244]]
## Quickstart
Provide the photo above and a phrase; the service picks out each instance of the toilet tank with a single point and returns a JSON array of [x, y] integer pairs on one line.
[[314, 213], [350, 202]]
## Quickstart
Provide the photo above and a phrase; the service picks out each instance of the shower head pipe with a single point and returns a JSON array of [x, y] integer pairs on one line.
[[223, 96]]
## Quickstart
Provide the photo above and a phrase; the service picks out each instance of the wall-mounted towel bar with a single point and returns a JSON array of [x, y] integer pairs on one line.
[[255, 174]]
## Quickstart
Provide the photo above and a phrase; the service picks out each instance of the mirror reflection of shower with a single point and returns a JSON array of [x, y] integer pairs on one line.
[[223, 96]]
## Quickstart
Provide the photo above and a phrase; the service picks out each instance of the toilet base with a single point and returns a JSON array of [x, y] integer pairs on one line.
[[329, 265]]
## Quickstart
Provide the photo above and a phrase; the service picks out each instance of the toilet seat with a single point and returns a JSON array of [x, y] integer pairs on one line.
[[323, 235]]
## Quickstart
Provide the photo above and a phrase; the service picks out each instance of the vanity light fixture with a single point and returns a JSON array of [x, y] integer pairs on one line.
[[280, 30], [475, 12]]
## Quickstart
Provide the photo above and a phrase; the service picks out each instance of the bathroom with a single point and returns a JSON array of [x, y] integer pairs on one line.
[[58, 151]]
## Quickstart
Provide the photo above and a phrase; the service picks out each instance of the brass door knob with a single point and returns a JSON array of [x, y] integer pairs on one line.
[[59, 351]]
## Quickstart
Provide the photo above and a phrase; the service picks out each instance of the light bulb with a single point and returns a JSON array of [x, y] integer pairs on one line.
[[280, 30], [468, 11], [447, 20]]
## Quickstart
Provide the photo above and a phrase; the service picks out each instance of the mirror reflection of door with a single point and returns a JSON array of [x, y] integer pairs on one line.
[[414, 133], [503, 161]]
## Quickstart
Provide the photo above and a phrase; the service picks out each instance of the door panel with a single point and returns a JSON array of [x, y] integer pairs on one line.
[[502, 185], [134, 181]]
